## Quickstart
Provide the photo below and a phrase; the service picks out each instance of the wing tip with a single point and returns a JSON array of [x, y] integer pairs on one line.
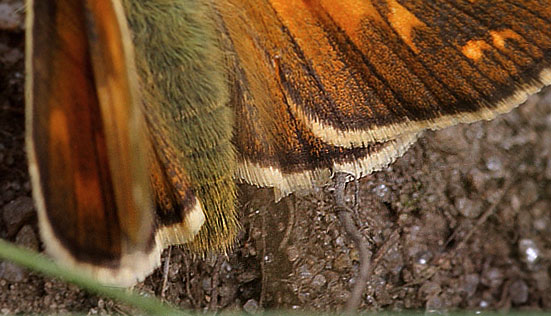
[[133, 266], [184, 231]]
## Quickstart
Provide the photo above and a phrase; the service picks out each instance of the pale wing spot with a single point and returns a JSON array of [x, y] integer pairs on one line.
[[499, 37], [403, 22], [183, 232], [474, 49]]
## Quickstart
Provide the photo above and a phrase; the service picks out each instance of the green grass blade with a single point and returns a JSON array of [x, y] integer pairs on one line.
[[41, 264]]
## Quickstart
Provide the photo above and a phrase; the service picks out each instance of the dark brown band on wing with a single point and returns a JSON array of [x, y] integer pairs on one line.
[[274, 138]]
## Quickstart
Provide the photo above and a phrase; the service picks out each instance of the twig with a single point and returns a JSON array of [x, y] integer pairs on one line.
[[188, 283], [166, 267], [213, 304], [290, 223], [264, 278], [356, 194], [344, 214]]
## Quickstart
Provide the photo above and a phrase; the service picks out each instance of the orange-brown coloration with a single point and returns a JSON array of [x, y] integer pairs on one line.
[[112, 79], [60, 131], [404, 23], [88, 179], [305, 28], [352, 72], [349, 15], [72, 180], [500, 37], [474, 49], [317, 86]]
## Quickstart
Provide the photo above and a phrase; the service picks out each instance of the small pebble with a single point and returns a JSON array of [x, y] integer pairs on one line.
[[206, 284], [319, 281], [394, 261], [435, 306], [26, 237], [12, 272], [529, 192], [492, 277], [478, 179], [251, 306], [292, 253], [429, 289], [304, 272], [541, 212], [529, 250], [468, 207], [494, 164], [226, 266], [340, 241], [9, 18], [518, 291], [469, 284], [382, 191], [424, 258], [17, 213]]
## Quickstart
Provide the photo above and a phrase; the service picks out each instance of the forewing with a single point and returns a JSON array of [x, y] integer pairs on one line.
[[85, 139], [337, 77]]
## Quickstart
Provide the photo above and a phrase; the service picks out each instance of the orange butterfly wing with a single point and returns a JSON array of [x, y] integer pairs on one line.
[[317, 87], [85, 139], [346, 85]]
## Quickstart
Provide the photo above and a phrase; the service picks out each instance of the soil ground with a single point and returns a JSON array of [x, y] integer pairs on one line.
[[465, 216]]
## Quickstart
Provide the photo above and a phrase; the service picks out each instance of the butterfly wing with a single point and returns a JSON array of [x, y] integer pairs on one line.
[[183, 79], [322, 84], [319, 86], [86, 142]]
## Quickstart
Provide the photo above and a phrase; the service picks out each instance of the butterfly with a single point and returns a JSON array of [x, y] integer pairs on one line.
[[141, 116]]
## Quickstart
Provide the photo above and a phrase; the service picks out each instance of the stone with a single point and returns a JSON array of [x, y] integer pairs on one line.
[[12, 272], [518, 291], [251, 306], [17, 213], [26, 237]]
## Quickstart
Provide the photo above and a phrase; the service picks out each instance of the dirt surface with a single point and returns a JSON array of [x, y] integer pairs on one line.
[[465, 217]]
